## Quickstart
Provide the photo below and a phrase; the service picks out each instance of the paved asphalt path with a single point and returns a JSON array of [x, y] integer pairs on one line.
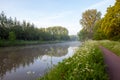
[[113, 63]]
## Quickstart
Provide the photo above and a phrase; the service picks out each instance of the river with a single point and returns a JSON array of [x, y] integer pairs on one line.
[[31, 62]]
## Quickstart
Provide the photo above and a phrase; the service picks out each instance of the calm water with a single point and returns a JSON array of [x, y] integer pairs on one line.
[[31, 62]]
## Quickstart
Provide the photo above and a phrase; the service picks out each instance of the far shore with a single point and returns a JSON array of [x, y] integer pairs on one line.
[[4, 43]]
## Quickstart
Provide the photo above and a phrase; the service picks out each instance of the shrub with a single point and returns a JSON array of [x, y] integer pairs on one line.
[[12, 36]]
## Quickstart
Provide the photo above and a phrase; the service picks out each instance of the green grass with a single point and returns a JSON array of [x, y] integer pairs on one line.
[[4, 43], [86, 64], [114, 46]]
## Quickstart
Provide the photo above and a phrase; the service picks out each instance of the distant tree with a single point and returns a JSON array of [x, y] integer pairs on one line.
[[11, 29], [73, 37], [4, 31], [58, 33], [12, 36], [89, 18], [83, 35]]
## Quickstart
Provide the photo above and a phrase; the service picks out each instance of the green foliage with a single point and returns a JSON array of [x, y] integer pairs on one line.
[[106, 28], [83, 35], [73, 37], [98, 33], [89, 18], [27, 31], [86, 64], [12, 36], [111, 22], [58, 33], [88, 21], [4, 43], [114, 46], [109, 26]]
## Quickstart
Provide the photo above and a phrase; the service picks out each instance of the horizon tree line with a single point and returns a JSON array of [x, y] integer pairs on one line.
[[12, 29]]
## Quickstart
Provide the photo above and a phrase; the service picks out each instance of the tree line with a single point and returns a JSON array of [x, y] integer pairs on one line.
[[95, 27], [12, 29]]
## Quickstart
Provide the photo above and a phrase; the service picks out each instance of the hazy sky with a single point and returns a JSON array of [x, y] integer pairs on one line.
[[46, 13]]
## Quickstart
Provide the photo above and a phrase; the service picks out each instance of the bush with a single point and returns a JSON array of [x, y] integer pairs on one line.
[[12, 36]]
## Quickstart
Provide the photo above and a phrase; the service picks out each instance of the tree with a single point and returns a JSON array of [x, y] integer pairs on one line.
[[58, 33], [4, 31], [111, 22], [73, 37], [89, 18], [11, 29], [12, 36], [98, 32], [83, 35]]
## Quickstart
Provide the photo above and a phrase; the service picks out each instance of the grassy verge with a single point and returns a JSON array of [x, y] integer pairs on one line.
[[114, 46], [86, 64], [4, 43]]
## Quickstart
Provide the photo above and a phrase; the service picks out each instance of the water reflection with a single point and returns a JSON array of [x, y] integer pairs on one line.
[[16, 63]]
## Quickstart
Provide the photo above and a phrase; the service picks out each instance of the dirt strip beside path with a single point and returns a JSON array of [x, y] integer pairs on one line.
[[113, 63]]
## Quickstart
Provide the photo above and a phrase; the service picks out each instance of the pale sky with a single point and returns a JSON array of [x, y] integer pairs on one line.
[[46, 13]]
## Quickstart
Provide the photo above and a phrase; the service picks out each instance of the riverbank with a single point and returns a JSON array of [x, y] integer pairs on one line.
[[86, 64], [5, 43]]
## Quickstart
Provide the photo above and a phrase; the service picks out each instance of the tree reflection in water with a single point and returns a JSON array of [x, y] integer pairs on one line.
[[12, 58]]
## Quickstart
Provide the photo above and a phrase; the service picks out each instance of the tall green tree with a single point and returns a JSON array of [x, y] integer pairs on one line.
[[89, 18], [4, 31], [111, 22]]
